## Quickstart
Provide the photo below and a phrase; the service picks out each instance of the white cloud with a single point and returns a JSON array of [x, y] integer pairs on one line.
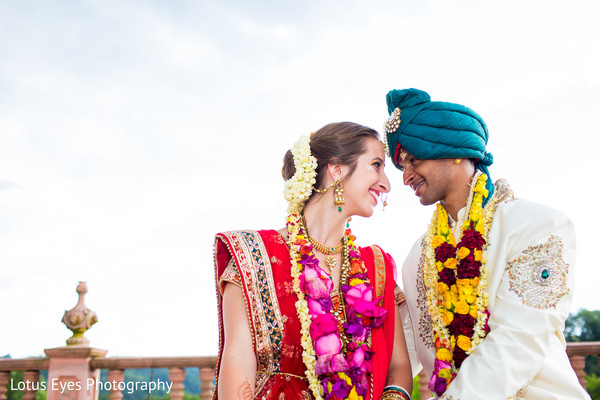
[[133, 132]]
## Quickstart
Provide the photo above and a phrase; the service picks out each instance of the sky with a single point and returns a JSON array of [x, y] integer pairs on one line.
[[131, 132]]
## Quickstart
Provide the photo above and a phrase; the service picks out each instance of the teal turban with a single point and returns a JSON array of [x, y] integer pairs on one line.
[[430, 130]]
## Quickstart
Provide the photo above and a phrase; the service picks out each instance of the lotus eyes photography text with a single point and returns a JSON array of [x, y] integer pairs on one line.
[[68, 386]]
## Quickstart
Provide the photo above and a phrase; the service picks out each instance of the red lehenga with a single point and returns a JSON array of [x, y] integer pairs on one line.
[[263, 272]]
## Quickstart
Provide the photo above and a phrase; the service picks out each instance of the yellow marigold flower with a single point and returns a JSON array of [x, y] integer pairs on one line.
[[462, 307], [450, 263], [356, 281], [473, 312], [477, 254], [475, 281], [480, 185], [447, 300], [442, 288], [444, 230], [439, 266], [463, 252], [451, 240], [463, 282], [448, 317], [470, 299], [463, 342], [467, 290], [479, 226], [353, 395], [438, 240], [443, 354], [445, 373]]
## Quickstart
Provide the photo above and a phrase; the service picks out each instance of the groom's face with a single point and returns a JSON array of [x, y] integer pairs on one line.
[[429, 179]]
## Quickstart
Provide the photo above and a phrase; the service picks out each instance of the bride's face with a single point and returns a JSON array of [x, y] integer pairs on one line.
[[365, 185]]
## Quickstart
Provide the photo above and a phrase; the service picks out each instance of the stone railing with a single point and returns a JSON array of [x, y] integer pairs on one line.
[[74, 370], [577, 352], [31, 375], [116, 367]]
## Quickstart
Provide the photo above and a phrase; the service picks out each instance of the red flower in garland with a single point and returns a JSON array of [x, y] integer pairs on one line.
[[455, 281], [462, 324], [468, 269], [472, 239], [444, 252], [459, 356], [447, 276]]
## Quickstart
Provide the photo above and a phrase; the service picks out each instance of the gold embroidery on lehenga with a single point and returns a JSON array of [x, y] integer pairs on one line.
[[379, 262], [539, 274], [286, 287], [275, 260], [231, 275]]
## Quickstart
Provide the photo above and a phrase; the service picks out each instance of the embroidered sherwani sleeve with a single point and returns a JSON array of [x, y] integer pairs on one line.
[[530, 285]]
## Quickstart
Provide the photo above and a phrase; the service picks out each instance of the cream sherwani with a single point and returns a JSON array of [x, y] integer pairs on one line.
[[531, 252]]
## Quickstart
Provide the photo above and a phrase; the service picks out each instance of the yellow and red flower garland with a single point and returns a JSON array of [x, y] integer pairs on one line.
[[455, 277]]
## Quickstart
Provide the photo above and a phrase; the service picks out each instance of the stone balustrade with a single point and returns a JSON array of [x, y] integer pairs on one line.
[[116, 367], [73, 365], [577, 352]]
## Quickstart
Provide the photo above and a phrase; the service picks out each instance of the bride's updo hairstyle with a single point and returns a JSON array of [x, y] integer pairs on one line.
[[339, 143]]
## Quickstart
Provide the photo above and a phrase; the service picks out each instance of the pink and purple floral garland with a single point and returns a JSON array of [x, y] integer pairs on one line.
[[342, 369]]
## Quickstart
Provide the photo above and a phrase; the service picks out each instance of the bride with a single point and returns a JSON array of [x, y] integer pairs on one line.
[[305, 312]]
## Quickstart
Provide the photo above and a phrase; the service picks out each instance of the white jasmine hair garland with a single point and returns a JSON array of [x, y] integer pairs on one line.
[[300, 186]]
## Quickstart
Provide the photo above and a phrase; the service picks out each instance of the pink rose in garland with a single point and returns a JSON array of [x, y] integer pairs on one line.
[[325, 336], [340, 375], [360, 299], [318, 288], [321, 306], [331, 363], [328, 344], [359, 292]]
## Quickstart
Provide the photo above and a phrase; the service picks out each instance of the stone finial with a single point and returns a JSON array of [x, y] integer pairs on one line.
[[79, 319]]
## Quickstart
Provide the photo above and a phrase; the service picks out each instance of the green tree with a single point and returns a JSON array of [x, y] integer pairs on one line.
[[584, 326]]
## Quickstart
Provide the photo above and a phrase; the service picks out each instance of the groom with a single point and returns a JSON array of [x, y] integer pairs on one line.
[[490, 284]]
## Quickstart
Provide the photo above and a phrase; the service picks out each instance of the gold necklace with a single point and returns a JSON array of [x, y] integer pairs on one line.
[[329, 251], [337, 296]]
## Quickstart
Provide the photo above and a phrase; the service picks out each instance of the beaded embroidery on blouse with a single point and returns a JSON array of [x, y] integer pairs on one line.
[[539, 274]]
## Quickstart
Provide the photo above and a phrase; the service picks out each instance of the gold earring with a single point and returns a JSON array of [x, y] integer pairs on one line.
[[457, 161], [338, 198]]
